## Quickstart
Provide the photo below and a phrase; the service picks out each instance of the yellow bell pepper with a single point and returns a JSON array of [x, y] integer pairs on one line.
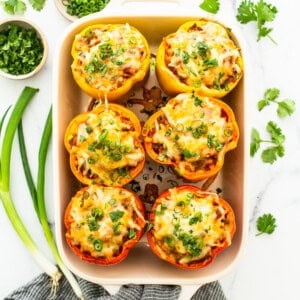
[[200, 55], [109, 60], [104, 146], [191, 133]]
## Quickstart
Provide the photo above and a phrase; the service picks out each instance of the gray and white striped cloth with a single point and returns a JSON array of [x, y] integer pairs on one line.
[[40, 289]]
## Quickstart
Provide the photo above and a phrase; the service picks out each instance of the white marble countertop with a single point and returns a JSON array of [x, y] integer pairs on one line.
[[269, 268]]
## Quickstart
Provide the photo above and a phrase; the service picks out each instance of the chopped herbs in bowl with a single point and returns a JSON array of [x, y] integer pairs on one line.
[[23, 48], [74, 9]]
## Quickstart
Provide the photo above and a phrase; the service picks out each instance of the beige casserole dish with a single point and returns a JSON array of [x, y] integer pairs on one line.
[[154, 19]]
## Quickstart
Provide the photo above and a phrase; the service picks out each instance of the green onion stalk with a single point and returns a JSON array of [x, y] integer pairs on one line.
[[38, 196], [5, 193]]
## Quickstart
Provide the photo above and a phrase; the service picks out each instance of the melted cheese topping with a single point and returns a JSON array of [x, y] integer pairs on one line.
[[103, 219], [203, 55], [109, 55], [187, 225], [106, 147], [194, 130]]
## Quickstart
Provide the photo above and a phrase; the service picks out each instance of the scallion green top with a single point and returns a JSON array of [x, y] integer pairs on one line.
[[81, 8]]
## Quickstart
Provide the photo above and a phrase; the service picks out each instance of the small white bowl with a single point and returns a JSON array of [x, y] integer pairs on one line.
[[23, 22], [63, 10]]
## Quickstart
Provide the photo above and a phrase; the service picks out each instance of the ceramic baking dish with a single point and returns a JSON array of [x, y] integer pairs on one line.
[[154, 19]]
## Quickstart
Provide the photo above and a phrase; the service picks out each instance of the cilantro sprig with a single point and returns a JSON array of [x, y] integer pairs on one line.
[[277, 138], [211, 6], [266, 224], [261, 13], [285, 107], [13, 7]]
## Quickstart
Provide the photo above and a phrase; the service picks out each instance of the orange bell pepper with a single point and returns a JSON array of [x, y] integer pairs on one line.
[[104, 145], [200, 55], [109, 60], [192, 133], [104, 223], [189, 227]]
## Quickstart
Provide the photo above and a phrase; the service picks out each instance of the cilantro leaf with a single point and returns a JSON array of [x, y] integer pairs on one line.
[[276, 134], [285, 107], [266, 224], [263, 32], [37, 4], [261, 13], [270, 154], [211, 6], [277, 138], [261, 104], [255, 142], [246, 12], [14, 7], [265, 12], [271, 94]]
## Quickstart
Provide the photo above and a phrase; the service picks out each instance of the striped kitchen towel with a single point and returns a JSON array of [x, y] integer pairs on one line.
[[40, 289]]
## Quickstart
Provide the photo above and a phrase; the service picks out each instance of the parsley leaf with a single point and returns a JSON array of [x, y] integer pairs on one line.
[[211, 6], [277, 138], [285, 107], [266, 224], [261, 13]]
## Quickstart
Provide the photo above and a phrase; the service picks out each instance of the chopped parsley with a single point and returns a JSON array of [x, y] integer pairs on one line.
[[197, 217], [93, 219], [132, 234], [202, 49], [21, 49], [116, 215]]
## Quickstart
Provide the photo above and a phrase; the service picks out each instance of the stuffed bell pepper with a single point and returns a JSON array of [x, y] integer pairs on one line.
[[109, 60], [192, 133], [104, 145], [189, 227], [104, 223], [200, 55]]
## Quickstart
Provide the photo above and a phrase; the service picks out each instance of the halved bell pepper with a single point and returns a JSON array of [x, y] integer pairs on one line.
[[104, 145], [104, 223], [109, 60], [200, 55], [189, 227], [192, 133]]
